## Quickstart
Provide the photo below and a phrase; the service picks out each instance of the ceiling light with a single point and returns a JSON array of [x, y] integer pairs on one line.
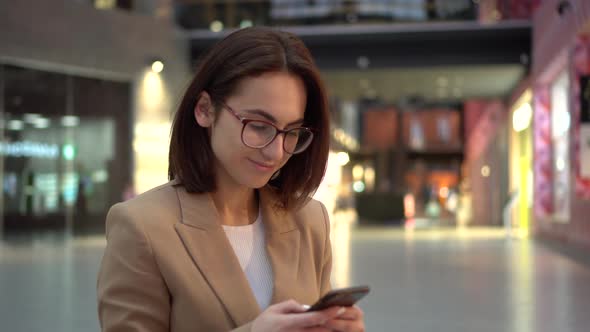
[[104, 4], [370, 175], [100, 176], [485, 171], [357, 172], [41, 123], [522, 116], [363, 62], [216, 26], [70, 121], [31, 117], [157, 66], [358, 186], [342, 158], [15, 125]]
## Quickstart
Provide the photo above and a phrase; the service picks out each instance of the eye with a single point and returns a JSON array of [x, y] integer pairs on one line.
[[259, 126]]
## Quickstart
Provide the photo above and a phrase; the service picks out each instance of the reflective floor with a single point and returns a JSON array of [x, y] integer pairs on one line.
[[422, 280]]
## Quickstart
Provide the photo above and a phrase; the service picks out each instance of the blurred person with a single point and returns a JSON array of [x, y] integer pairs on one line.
[[234, 241]]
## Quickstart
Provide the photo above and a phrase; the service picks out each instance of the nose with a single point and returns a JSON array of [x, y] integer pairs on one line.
[[274, 151]]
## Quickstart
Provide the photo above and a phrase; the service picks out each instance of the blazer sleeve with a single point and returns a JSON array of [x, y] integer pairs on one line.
[[326, 270], [132, 295]]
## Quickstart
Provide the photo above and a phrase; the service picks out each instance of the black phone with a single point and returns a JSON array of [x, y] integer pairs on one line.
[[343, 297]]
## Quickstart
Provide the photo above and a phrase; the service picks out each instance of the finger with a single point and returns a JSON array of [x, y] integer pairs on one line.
[[289, 306], [313, 319], [337, 325], [316, 329], [352, 313], [347, 317], [344, 325]]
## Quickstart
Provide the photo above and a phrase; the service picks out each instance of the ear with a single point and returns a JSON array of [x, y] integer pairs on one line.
[[204, 113]]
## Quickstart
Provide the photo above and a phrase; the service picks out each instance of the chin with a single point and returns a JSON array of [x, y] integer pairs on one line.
[[256, 183]]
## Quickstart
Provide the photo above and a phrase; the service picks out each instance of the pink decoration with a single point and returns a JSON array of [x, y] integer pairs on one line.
[[543, 168]]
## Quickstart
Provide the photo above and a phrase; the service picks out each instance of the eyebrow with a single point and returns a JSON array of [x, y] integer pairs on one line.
[[271, 118]]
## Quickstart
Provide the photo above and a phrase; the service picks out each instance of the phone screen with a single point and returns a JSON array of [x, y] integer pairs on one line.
[[344, 297]]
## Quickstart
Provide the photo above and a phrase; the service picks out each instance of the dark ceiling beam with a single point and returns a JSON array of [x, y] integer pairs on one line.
[[405, 45]]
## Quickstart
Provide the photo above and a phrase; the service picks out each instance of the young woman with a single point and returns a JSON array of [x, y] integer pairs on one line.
[[234, 241]]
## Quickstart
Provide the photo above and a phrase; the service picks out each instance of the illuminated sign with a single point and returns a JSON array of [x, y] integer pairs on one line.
[[29, 149]]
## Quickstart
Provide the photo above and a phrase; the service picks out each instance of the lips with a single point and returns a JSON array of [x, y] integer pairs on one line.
[[262, 166]]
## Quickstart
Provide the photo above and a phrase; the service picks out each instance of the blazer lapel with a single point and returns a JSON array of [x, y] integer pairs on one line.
[[210, 250], [282, 245]]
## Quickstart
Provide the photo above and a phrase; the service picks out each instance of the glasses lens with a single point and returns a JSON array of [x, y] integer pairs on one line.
[[297, 140], [257, 134]]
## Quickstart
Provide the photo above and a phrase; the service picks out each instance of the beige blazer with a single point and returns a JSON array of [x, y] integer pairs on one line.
[[168, 265]]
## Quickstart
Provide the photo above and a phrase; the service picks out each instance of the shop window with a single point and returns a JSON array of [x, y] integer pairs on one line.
[[432, 130], [65, 148]]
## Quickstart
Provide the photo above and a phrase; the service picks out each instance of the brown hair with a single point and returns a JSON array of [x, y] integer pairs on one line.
[[247, 53]]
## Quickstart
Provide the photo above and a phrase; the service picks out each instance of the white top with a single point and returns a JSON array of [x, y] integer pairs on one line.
[[249, 245]]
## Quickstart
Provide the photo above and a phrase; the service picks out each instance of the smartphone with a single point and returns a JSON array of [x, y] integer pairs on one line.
[[343, 297]]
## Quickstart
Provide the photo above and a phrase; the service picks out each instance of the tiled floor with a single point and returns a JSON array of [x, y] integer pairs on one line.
[[466, 282], [436, 280]]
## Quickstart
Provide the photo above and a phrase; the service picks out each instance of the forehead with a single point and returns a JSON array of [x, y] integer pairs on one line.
[[281, 94]]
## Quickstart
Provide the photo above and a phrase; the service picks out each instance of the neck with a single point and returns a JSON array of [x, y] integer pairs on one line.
[[236, 206]]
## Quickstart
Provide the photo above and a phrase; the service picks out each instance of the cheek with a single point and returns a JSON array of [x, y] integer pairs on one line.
[[221, 148], [226, 141]]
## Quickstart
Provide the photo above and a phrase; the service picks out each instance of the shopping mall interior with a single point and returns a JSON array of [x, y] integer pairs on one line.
[[458, 178]]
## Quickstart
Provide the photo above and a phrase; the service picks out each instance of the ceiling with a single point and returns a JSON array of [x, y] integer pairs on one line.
[[434, 84], [435, 61]]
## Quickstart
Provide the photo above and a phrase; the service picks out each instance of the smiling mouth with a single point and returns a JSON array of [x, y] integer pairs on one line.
[[261, 165]]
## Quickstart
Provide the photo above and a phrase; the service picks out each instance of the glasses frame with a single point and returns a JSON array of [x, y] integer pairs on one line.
[[278, 131]]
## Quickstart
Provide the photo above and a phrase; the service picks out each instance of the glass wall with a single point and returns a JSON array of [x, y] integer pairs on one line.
[[65, 148]]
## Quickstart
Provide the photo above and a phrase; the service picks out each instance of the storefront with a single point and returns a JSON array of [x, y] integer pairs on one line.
[[65, 148], [85, 109], [560, 74]]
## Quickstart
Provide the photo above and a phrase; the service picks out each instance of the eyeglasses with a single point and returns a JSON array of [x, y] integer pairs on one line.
[[258, 133]]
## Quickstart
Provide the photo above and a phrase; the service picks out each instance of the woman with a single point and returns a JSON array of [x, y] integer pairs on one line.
[[234, 241]]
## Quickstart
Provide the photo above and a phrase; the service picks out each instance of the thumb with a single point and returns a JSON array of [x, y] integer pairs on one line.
[[289, 306]]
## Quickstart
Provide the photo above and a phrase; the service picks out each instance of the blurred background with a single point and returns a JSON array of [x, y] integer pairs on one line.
[[459, 174]]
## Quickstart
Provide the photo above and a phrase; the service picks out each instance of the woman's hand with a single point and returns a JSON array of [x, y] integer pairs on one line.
[[290, 316], [349, 321]]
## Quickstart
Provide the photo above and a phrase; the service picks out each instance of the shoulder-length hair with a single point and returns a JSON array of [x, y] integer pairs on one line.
[[247, 53]]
